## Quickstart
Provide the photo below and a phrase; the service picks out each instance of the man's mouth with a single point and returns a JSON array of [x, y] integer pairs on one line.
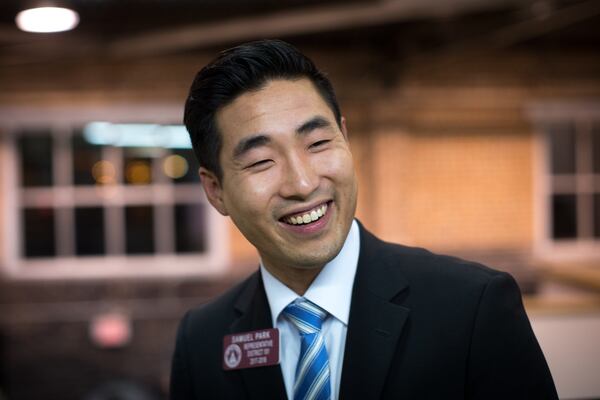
[[307, 217]]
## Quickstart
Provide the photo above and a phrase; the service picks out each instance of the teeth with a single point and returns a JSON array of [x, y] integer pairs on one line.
[[307, 217]]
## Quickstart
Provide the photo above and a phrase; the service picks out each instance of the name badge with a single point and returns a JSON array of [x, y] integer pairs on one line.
[[251, 349]]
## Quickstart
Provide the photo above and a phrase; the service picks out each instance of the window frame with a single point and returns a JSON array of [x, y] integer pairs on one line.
[[543, 115], [61, 120]]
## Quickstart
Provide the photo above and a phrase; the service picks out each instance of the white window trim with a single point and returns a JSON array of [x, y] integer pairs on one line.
[[543, 114], [212, 263]]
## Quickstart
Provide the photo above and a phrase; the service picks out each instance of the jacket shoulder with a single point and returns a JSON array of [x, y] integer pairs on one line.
[[423, 261], [420, 266]]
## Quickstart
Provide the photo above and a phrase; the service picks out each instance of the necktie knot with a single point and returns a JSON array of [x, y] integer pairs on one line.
[[306, 316]]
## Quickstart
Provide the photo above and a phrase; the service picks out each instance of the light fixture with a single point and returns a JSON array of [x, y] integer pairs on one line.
[[47, 19], [111, 329], [175, 166], [137, 135]]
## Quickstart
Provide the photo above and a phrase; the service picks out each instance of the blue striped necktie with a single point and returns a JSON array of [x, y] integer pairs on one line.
[[312, 372]]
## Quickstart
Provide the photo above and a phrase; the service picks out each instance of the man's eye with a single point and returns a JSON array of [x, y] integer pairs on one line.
[[260, 163], [320, 143]]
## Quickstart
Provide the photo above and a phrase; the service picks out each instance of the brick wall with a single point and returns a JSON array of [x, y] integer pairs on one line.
[[455, 191]]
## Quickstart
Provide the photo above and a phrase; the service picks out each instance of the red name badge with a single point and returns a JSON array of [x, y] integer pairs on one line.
[[251, 349]]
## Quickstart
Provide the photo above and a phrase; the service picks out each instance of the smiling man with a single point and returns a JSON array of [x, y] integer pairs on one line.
[[288, 182], [332, 312]]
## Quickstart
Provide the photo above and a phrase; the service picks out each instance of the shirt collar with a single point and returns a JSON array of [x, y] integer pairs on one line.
[[332, 288]]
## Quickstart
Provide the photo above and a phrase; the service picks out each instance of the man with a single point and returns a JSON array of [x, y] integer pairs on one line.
[[357, 318]]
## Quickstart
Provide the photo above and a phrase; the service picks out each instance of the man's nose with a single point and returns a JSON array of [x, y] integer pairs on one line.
[[300, 178]]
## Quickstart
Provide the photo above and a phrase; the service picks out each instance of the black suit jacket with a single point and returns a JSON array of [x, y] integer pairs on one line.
[[421, 326]]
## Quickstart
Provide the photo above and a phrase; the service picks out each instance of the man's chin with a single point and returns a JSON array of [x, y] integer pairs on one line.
[[316, 260]]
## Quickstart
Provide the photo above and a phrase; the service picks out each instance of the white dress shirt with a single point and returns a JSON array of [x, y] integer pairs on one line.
[[332, 291]]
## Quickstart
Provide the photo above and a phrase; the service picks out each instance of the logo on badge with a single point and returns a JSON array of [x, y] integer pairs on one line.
[[232, 355]]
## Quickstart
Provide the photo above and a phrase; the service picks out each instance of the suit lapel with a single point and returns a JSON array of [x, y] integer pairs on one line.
[[261, 382], [375, 323]]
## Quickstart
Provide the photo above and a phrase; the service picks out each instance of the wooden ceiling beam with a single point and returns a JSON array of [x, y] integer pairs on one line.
[[555, 21], [303, 21]]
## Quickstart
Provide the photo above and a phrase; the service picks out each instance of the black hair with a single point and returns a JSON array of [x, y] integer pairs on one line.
[[238, 70]]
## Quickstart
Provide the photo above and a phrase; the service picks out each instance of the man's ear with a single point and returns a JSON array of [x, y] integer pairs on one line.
[[213, 189], [343, 128]]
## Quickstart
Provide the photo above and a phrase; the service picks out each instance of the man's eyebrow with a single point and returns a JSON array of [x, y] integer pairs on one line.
[[249, 143], [312, 124]]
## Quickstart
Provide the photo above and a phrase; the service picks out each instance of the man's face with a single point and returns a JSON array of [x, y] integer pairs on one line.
[[288, 178]]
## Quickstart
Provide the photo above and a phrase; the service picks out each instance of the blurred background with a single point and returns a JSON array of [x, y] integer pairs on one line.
[[475, 126]]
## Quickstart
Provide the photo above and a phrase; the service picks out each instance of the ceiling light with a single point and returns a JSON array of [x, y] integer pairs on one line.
[[47, 19]]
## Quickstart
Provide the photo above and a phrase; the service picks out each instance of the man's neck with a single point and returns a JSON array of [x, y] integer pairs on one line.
[[297, 279]]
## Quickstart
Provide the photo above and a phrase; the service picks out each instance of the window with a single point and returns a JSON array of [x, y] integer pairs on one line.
[[574, 168], [100, 199], [570, 176]]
